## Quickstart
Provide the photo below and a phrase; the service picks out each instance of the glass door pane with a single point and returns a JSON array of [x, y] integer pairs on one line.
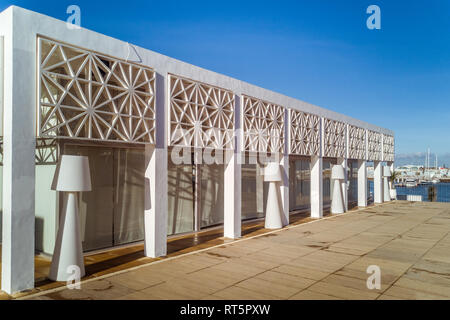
[[129, 176], [299, 184], [252, 191], [327, 182], [96, 207], [211, 195], [180, 198], [352, 176]]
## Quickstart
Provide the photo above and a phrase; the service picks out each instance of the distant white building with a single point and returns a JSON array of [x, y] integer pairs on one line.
[[410, 170]]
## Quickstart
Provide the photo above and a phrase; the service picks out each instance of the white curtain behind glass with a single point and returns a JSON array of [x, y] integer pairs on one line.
[[129, 195], [212, 195], [180, 199]]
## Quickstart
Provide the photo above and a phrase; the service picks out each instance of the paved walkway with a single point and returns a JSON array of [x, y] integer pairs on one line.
[[325, 259]]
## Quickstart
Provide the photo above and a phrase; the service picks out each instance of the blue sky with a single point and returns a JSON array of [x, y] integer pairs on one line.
[[317, 51]]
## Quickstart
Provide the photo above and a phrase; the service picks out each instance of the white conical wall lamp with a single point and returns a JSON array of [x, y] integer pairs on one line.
[[272, 174], [337, 202]]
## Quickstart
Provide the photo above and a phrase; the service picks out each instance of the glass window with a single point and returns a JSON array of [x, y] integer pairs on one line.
[[211, 195], [254, 190], [299, 184], [182, 194], [46, 199], [180, 198], [113, 212], [327, 187], [129, 195], [352, 175]]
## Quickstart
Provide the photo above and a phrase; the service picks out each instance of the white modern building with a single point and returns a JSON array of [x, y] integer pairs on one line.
[[129, 110]]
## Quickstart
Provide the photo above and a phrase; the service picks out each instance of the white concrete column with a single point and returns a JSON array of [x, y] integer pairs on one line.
[[284, 166], [232, 198], [386, 193], [343, 163], [362, 183], [316, 187], [284, 188], [155, 223], [156, 180], [233, 181], [19, 143], [378, 182]]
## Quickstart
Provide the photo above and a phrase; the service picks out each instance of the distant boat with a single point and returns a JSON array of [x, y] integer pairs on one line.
[[424, 182], [411, 183], [436, 181]]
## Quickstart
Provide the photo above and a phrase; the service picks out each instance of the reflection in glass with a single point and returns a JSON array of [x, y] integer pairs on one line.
[[299, 184], [254, 190], [113, 212], [327, 183], [211, 195], [352, 174], [180, 198]]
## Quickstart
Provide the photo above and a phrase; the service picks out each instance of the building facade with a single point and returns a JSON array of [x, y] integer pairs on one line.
[[150, 126]]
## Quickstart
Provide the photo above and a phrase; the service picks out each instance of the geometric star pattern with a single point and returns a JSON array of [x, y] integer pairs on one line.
[[263, 124], [304, 133], [374, 146], [46, 152], [357, 143], [201, 115], [388, 148], [334, 139], [88, 96]]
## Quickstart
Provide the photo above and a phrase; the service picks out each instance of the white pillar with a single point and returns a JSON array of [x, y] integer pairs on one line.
[[362, 183], [156, 180], [284, 189], [19, 143], [233, 181], [316, 187], [232, 198], [378, 182], [344, 183], [284, 166], [155, 223]]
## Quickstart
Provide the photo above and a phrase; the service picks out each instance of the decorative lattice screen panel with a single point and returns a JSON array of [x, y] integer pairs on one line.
[[201, 115], [388, 148], [46, 152], [85, 95], [357, 143], [263, 126], [334, 139], [374, 146], [304, 133]]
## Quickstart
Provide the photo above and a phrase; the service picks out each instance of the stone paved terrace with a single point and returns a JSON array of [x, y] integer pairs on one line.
[[323, 259]]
